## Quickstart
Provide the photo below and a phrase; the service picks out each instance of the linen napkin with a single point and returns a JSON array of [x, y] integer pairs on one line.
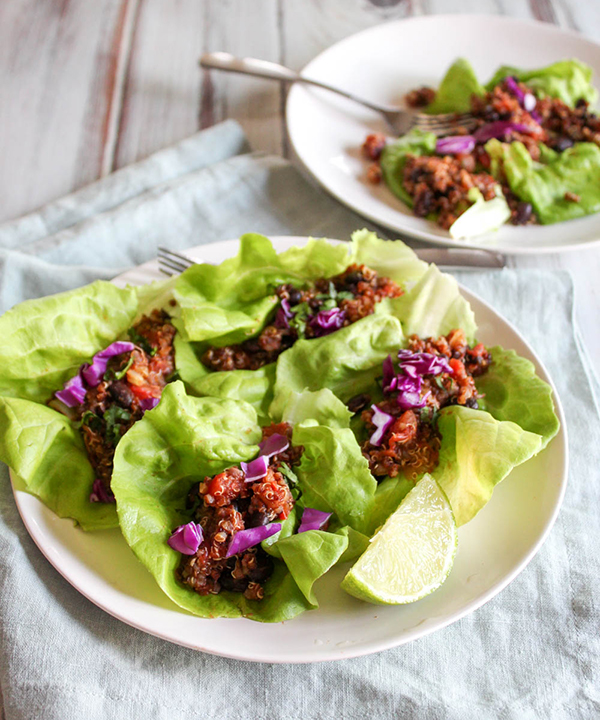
[[532, 652]]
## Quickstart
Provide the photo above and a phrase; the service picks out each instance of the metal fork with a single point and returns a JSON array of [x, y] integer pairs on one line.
[[400, 121], [173, 263]]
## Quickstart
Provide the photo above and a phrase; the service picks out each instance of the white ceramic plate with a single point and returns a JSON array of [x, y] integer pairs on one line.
[[385, 62], [492, 550]]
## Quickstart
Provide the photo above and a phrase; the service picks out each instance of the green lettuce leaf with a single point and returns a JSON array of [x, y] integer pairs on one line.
[[45, 341], [318, 258], [433, 307], [576, 170], [47, 452], [512, 391], [568, 80], [390, 258], [457, 87], [320, 407], [388, 496], [252, 386], [347, 361], [477, 452], [393, 159], [333, 474]]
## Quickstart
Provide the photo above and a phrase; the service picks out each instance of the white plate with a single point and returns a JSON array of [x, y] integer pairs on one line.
[[385, 62], [492, 550]]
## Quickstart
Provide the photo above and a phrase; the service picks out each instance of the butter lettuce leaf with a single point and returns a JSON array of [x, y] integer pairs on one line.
[[477, 452], [576, 170], [346, 362], [512, 391], [389, 258], [320, 407], [455, 91], [433, 307], [333, 474], [568, 80], [394, 155], [45, 341], [47, 452]]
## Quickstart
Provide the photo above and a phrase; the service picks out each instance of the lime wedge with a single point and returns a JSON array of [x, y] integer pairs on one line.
[[411, 555]]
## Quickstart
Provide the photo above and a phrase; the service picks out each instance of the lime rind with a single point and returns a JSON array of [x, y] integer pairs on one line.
[[412, 554]]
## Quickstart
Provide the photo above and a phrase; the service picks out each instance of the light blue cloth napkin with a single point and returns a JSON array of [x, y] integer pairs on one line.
[[532, 652]]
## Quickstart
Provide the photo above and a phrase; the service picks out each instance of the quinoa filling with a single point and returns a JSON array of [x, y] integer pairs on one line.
[[411, 442], [116, 403], [226, 504], [325, 306]]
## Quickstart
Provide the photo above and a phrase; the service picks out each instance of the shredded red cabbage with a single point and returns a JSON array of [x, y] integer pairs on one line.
[[100, 493], [382, 422], [73, 392], [255, 469], [148, 403], [389, 375], [284, 315], [327, 321], [526, 100], [94, 373], [313, 520], [245, 539], [500, 130], [273, 445], [186, 539], [423, 363], [455, 145]]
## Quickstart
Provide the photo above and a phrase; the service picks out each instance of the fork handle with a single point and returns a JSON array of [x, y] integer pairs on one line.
[[272, 71]]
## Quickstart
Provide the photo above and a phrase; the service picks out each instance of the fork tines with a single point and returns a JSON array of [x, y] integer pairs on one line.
[[443, 124], [170, 262]]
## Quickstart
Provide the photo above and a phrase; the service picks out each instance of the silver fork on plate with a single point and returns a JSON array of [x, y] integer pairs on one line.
[[399, 120], [173, 263]]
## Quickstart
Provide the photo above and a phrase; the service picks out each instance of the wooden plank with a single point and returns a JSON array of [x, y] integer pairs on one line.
[[56, 61], [256, 104], [167, 96]]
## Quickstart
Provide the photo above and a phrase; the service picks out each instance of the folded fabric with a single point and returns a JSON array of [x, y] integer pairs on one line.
[[531, 652]]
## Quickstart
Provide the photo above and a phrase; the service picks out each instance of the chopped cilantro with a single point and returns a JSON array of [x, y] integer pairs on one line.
[[91, 420], [119, 374], [344, 295], [141, 341], [114, 417], [288, 474]]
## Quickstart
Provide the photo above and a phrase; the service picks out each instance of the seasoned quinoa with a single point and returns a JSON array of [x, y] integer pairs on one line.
[[113, 406], [224, 505], [411, 444], [355, 293]]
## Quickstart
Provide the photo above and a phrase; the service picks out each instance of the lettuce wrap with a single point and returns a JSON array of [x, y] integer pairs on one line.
[[479, 447], [217, 304], [549, 185], [45, 342], [187, 438]]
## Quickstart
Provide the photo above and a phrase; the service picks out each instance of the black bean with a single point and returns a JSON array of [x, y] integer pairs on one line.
[[121, 392], [233, 585], [354, 278], [263, 569], [358, 402], [562, 144], [295, 296], [523, 213], [472, 403]]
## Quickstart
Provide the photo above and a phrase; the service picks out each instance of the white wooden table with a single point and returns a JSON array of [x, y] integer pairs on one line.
[[89, 86]]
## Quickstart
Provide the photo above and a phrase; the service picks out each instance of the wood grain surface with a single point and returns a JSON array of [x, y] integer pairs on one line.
[[88, 87]]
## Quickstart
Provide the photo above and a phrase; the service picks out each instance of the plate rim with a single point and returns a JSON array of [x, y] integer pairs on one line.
[[424, 235], [365, 648]]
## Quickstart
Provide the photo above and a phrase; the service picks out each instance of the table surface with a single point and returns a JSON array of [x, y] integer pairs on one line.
[[88, 87]]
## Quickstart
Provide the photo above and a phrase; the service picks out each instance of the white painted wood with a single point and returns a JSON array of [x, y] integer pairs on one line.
[[56, 64]]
